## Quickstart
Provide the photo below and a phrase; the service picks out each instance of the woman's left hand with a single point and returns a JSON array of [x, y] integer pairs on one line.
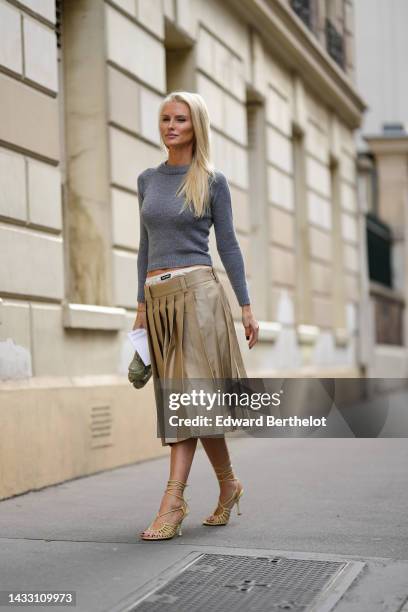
[[251, 325]]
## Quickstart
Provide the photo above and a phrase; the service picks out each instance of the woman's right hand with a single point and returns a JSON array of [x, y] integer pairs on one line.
[[140, 320]]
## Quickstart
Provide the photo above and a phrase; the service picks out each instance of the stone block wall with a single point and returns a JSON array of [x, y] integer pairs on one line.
[[31, 258]]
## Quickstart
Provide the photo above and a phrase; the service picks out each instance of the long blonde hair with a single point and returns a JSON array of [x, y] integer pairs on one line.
[[195, 186]]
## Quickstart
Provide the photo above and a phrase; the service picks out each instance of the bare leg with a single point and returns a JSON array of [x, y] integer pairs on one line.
[[181, 458], [217, 450], [218, 454]]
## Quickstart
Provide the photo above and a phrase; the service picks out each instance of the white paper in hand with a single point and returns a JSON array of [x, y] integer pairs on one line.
[[138, 338]]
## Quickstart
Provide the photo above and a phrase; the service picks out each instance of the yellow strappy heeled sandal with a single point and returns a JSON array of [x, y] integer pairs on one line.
[[169, 530], [223, 474]]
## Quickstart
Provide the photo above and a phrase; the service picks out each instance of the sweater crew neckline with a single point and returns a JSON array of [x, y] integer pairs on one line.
[[166, 169]]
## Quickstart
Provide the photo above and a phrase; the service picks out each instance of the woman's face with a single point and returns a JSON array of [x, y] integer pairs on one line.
[[176, 128]]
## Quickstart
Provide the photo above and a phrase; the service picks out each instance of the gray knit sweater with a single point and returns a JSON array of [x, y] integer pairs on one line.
[[171, 240]]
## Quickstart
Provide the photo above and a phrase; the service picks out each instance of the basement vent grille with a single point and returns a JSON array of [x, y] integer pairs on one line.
[[101, 426]]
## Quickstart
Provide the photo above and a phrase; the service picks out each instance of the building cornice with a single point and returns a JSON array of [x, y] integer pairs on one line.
[[300, 51], [388, 145]]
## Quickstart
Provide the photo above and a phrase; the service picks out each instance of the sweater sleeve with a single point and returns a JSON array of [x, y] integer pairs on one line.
[[142, 256], [227, 243]]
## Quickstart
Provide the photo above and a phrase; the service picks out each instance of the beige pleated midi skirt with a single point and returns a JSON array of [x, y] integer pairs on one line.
[[191, 335]]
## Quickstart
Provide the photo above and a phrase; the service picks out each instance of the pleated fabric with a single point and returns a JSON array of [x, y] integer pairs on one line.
[[191, 335]]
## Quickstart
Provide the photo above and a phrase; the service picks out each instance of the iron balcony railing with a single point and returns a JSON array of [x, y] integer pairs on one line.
[[334, 43], [388, 305], [334, 40], [303, 9], [379, 243]]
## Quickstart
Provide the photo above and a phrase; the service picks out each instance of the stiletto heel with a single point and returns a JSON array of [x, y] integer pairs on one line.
[[223, 474], [169, 530]]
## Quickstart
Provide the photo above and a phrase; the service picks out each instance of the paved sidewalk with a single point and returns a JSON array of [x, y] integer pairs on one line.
[[345, 497]]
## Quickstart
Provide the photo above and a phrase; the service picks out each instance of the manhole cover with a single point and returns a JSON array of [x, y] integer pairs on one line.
[[220, 582]]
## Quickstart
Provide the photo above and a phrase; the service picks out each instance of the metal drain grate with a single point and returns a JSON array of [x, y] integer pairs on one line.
[[219, 582]]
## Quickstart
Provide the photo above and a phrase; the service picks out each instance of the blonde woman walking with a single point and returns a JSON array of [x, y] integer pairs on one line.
[[181, 302]]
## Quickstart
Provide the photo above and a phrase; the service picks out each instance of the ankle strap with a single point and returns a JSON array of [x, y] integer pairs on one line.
[[174, 485], [224, 473]]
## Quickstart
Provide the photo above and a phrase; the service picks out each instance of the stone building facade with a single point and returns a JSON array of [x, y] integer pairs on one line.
[[80, 85], [381, 49]]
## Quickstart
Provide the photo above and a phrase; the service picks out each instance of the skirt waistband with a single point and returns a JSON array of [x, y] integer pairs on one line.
[[180, 282], [159, 278]]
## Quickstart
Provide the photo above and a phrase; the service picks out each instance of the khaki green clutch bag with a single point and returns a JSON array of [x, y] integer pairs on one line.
[[139, 373]]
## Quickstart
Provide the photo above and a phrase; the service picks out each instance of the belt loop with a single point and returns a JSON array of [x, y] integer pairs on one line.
[[147, 291], [215, 274]]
